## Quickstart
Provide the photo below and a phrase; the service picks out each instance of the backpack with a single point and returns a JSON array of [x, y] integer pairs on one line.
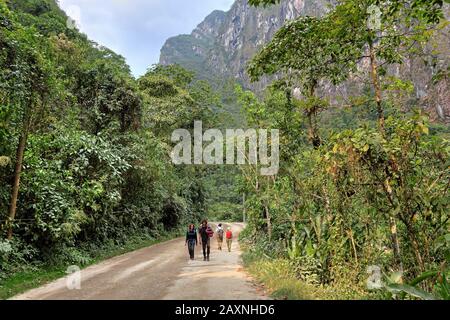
[[210, 232], [229, 234], [220, 233]]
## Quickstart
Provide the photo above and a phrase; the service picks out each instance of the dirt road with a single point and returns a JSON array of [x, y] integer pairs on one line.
[[162, 271]]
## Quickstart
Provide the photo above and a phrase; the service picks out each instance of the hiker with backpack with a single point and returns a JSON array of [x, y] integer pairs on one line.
[[229, 236], [191, 240], [220, 233], [205, 233]]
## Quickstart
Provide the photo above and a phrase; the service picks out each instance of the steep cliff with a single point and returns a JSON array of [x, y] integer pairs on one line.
[[224, 42], [221, 46]]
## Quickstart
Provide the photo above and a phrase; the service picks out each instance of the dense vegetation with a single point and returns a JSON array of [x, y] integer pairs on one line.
[[85, 147], [360, 207]]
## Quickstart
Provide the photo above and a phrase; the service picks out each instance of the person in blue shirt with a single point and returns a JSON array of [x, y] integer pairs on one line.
[[191, 240]]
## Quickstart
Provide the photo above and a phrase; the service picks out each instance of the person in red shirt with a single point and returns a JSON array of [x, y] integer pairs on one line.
[[229, 236]]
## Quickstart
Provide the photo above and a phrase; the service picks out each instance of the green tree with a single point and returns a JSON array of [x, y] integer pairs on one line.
[[25, 68]]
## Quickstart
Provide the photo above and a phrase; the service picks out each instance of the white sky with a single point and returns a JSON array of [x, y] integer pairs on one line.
[[137, 29]]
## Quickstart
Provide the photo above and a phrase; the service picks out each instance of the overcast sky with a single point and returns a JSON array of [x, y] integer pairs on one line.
[[137, 29]]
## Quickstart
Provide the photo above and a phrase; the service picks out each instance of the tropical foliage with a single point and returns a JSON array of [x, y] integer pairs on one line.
[[367, 195], [85, 147]]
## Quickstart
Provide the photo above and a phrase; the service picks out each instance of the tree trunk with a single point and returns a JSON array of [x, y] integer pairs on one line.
[[376, 86], [352, 239], [269, 222], [415, 245], [311, 114], [311, 133], [17, 172], [244, 218], [395, 242]]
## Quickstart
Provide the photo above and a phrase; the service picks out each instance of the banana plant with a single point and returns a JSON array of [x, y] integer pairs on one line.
[[294, 250]]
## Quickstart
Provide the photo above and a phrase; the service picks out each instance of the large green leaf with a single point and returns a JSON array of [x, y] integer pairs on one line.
[[413, 291]]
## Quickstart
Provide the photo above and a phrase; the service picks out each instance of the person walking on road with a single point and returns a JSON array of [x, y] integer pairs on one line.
[[220, 233], [205, 234], [229, 236], [191, 240]]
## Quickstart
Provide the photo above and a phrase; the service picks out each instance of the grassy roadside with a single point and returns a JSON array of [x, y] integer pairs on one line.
[[279, 279], [275, 276], [36, 276]]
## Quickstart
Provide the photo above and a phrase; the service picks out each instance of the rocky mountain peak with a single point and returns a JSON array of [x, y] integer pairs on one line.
[[221, 45]]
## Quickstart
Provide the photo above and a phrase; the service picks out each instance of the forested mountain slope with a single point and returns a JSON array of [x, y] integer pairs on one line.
[[222, 45], [84, 147], [224, 42]]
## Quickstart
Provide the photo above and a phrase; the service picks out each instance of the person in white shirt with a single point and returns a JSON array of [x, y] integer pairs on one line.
[[219, 232]]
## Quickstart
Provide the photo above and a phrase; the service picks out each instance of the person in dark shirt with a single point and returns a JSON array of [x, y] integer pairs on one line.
[[191, 240], [204, 239]]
